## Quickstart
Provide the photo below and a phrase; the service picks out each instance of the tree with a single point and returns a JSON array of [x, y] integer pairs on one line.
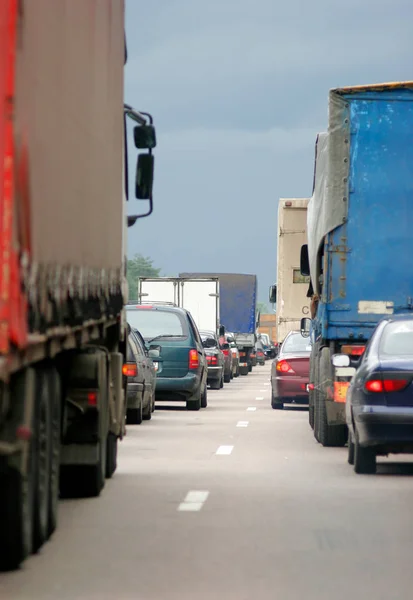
[[139, 266], [262, 307]]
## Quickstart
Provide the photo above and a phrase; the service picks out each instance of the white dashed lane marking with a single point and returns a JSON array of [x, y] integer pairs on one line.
[[259, 398], [224, 450], [252, 408], [243, 423], [194, 501]]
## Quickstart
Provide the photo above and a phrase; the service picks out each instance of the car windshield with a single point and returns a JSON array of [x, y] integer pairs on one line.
[[156, 323], [296, 343], [397, 339]]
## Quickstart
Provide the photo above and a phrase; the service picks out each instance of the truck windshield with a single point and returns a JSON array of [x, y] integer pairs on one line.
[[296, 343], [156, 323]]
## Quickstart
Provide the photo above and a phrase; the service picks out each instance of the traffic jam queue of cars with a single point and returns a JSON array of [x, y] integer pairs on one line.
[[170, 359]]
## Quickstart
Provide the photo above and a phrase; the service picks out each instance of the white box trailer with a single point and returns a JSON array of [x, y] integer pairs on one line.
[[292, 287], [199, 296]]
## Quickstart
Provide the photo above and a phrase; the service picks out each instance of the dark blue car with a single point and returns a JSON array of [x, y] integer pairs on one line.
[[379, 404]]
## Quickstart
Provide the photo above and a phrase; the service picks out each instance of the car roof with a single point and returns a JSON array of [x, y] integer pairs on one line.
[[159, 307], [399, 317]]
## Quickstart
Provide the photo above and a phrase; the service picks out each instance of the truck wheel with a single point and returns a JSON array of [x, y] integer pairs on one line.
[[329, 435], [364, 459], [17, 487], [204, 398], [351, 449], [56, 420], [311, 397], [316, 395], [43, 452], [111, 454], [195, 402]]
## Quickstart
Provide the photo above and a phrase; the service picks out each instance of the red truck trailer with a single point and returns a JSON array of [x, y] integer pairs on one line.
[[62, 257]]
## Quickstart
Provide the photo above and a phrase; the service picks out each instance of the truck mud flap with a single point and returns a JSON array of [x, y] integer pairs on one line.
[[336, 413]]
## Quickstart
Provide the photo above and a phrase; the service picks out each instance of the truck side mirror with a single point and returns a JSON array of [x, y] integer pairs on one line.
[[273, 294], [304, 261], [222, 330], [305, 325], [144, 137], [144, 176]]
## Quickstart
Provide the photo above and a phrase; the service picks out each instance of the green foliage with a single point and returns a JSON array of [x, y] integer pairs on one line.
[[139, 266], [262, 308]]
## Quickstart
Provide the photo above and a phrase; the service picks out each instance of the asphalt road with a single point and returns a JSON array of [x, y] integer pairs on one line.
[[230, 504]]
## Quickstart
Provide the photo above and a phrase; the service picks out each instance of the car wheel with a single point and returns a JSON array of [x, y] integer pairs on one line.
[[134, 415], [221, 383], [195, 402], [153, 402], [249, 368], [216, 384], [204, 398], [236, 372], [364, 459], [276, 402], [351, 449], [227, 378]]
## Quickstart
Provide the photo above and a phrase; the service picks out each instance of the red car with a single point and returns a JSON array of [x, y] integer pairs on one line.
[[290, 371]]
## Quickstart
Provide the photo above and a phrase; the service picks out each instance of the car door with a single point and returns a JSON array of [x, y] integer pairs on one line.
[[150, 373], [142, 364]]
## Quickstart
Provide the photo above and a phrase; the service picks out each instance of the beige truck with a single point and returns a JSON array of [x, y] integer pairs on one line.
[[290, 292]]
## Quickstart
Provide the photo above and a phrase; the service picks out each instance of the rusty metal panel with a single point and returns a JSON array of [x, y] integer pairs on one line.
[[69, 102]]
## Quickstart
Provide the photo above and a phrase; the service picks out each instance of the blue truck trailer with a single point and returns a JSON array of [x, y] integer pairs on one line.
[[238, 310], [359, 231]]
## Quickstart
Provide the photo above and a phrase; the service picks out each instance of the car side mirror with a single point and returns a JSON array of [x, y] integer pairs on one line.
[[304, 261], [128, 328], [144, 137], [153, 353], [305, 325], [224, 346], [222, 330], [341, 360], [273, 294], [144, 176]]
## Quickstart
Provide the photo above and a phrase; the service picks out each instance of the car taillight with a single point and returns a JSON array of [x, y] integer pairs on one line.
[[130, 369], [353, 350], [212, 360], [385, 385], [284, 367], [225, 352], [242, 353], [92, 398], [193, 359]]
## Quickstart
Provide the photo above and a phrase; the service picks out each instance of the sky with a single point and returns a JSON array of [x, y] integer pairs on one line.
[[238, 91]]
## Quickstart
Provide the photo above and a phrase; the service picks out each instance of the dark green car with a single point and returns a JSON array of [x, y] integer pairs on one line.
[[181, 367]]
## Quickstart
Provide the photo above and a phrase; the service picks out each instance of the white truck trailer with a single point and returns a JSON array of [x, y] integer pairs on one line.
[[199, 296]]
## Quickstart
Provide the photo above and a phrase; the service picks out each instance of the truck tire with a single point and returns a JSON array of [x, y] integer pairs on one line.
[[42, 451], [311, 397], [17, 489], [329, 435], [364, 459], [55, 388], [204, 398], [316, 372], [111, 454]]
